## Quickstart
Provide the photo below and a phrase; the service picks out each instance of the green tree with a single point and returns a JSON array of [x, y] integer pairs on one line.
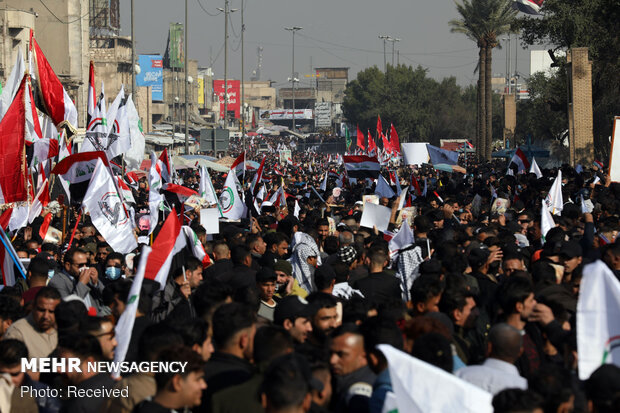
[[421, 108], [483, 21], [592, 24]]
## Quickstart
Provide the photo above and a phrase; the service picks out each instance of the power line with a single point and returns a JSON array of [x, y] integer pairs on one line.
[[59, 19], [206, 11]]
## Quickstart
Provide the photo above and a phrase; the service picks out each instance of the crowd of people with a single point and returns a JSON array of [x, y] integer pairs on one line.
[[287, 312]]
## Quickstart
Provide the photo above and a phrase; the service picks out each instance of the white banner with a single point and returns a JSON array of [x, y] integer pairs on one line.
[[415, 153], [286, 114]]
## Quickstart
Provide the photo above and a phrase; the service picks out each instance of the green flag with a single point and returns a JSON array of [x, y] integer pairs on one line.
[[347, 137]]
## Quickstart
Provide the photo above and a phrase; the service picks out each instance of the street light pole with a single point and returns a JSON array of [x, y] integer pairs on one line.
[[393, 40], [133, 55], [384, 38], [293, 29], [226, 11], [186, 83]]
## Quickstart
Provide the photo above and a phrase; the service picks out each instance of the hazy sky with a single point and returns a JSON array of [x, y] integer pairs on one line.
[[336, 33]]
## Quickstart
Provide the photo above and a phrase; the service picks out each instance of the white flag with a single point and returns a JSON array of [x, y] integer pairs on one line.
[[119, 139], [205, 190], [323, 186], [399, 190], [403, 198], [401, 240], [546, 221], [534, 169], [420, 387], [124, 327], [296, 210], [230, 201], [97, 130], [107, 212], [155, 197], [135, 155], [554, 200], [12, 83], [383, 188], [598, 319]]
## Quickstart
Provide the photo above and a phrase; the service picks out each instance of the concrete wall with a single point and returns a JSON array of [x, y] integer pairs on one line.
[[15, 32], [64, 40]]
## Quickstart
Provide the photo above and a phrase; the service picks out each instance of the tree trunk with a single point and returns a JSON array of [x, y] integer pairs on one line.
[[488, 94], [481, 126]]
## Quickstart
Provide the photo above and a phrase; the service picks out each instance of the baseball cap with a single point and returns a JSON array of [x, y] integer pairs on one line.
[[284, 266], [265, 274], [291, 307], [571, 249]]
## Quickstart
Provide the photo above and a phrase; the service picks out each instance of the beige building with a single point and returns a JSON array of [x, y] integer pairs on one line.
[[16, 25], [62, 32], [260, 95]]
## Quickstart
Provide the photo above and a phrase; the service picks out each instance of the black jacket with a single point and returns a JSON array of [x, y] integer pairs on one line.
[[218, 267], [379, 287], [238, 277], [222, 371]]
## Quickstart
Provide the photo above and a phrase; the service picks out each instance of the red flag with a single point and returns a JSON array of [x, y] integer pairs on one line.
[[379, 128], [92, 94], [360, 139], [163, 166], [372, 146], [239, 165], [13, 171], [416, 185], [5, 218], [164, 246], [394, 143], [258, 177], [57, 102]]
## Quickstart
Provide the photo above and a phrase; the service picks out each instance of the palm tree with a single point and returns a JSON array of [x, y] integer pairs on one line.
[[483, 21]]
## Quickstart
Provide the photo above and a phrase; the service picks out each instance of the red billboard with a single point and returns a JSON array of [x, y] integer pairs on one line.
[[234, 96]]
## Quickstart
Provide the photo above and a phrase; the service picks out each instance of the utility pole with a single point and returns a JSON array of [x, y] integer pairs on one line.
[[186, 83], [133, 55], [242, 80], [384, 38], [293, 29], [393, 40], [226, 11]]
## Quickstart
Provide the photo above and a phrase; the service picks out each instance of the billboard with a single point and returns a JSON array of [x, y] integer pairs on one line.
[[201, 91], [175, 46], [286, 114], [234, 96], [151, 74], [323, 115]]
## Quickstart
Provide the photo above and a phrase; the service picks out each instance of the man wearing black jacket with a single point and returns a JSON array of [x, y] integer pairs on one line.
[[378, 287]]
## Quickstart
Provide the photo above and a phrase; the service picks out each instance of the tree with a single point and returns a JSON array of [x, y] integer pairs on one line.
[[483, 21], [421, 108], [592, 24]]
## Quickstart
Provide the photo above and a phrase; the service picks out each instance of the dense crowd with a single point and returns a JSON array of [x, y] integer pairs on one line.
[[288, 314]]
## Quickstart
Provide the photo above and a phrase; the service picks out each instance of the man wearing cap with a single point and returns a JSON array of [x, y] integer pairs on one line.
[[571, 255], [285, 283], [294, 313], [266, 283]]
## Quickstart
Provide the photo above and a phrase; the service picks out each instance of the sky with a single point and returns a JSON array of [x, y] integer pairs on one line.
[[336, 33]]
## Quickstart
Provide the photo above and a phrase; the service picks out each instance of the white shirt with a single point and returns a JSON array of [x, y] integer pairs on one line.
[[493, 375]]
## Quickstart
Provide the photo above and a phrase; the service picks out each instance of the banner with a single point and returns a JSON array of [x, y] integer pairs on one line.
[[201, 92], [234, 96], [286, 114], [175, 46], [322, 114], [614, 158], [415, 153], [151, 75]]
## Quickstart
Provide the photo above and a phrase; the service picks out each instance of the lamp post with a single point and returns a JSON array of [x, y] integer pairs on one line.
[[226, 11], [384, 38], [293, 29], [186, 83], [393, 40]]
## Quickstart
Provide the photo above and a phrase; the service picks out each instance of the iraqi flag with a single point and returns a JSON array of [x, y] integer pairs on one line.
[[107, 212], [92, 93], [11, 86], [162, 166], [258, 178], [158, 265], [79, 167], [360, 166], [44, 149], [528, 6], [181, 191], [238, 167], [13, 170], [519, 163], [57, 102]]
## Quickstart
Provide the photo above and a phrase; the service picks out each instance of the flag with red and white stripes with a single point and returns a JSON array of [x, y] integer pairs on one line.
[[361, 166]]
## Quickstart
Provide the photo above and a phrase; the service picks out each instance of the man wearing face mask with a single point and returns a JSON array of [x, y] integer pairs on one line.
[[113, 268]]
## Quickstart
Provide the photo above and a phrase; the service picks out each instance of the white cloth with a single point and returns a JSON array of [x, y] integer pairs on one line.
[[493, 375]]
